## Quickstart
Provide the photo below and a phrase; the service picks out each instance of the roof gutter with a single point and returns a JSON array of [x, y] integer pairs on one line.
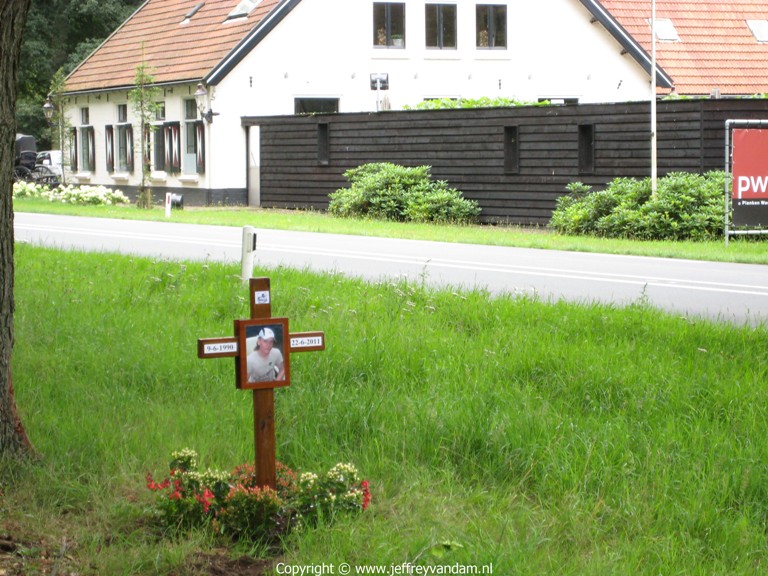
[[265, 26], [169, 84], [627, 42]]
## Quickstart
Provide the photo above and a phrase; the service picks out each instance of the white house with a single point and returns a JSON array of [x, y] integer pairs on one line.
[[275, 57]]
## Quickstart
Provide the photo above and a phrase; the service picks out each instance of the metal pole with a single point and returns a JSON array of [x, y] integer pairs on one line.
[[654, 159], [61, 143]]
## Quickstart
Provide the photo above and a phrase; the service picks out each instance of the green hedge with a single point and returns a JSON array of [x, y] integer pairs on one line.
[[685, 207], [483, 102], [388, 191]]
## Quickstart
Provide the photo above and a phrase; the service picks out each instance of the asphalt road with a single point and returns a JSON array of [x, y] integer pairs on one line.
[[727, 292]]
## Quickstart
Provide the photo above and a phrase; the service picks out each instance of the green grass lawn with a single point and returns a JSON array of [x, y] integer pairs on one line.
[[540, 438], [743, 249]]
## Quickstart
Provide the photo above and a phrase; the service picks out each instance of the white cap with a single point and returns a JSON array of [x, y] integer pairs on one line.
[[266, 334]]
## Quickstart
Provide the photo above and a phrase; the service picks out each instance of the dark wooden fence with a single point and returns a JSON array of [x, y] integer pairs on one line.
[[514, 161]]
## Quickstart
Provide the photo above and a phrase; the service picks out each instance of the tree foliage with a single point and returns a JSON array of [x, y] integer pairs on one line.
[[60, 34]]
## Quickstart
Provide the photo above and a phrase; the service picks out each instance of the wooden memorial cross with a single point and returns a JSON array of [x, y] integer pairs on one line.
[[263, 369]]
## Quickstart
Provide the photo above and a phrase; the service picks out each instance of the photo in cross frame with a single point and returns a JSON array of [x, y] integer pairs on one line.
[[264, 361]]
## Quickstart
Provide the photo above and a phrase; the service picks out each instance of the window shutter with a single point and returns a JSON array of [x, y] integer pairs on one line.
[[200, 146], [129, 145], [176, 138], [109, 139], [167, 146], [91, 135], [73, 149], [172, 133]]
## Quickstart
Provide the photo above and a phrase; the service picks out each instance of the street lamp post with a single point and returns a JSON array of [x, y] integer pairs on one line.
[[48, 109]]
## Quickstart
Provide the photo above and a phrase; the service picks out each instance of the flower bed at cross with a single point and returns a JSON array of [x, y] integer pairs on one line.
[[81, 195], [233, 505]]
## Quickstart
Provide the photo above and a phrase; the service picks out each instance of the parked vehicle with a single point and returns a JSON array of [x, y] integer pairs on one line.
[[25, 157], [26, 167], [53, 160]]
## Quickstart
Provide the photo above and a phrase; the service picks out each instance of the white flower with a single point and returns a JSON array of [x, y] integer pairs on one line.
[[344, 473], [308, 479]]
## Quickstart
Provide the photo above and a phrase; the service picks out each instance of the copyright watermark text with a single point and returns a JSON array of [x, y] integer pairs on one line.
[[406, 569]]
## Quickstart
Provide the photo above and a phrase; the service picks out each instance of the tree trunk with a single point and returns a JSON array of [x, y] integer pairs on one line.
[[13, 14]]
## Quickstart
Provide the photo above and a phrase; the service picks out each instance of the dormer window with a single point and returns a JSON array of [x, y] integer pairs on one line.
[[665, 30], [759, 29], [243, 9], [192, 12]]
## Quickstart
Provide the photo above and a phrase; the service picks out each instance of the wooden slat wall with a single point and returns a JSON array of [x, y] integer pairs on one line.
[[466, 148]]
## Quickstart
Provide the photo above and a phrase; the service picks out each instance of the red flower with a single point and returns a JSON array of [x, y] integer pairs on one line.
[[366, 494], [154, 486], [206, 498]]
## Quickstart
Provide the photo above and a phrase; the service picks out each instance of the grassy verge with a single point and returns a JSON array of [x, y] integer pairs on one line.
[[541, 438], [742, 250]]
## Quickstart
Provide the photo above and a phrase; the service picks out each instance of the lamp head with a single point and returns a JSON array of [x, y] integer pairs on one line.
[[203, 103], [48, 109]]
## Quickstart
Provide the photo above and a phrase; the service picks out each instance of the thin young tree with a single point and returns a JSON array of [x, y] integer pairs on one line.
[[13, 14], [59, 125], [143, 98]]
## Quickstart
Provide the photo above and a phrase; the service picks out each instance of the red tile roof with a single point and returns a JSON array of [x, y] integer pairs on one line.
[[716, 49], [175, 52]]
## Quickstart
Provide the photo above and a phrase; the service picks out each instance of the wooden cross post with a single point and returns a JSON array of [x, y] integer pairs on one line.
[[262, 347]]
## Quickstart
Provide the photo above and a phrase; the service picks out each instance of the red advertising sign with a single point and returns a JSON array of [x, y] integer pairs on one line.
[[750, 177]]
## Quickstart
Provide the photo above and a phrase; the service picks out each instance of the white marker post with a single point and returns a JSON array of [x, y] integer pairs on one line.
[[249, 250], [168, 204]]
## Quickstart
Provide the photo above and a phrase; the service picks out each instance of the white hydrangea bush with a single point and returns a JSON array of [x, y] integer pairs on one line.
[[77, 195], [28, 190]]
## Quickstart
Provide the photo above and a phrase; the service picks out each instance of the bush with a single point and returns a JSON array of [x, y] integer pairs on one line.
[[250, 513], [685, 207], [23, 189], [324, 497], [390, 192]]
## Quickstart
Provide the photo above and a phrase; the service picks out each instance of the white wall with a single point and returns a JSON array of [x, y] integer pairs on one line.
[[103, 111], [553, 50], [324, 48]]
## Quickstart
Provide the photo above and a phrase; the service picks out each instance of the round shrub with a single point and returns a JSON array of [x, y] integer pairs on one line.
[[685, 207], [388, 191], [436, 202]]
